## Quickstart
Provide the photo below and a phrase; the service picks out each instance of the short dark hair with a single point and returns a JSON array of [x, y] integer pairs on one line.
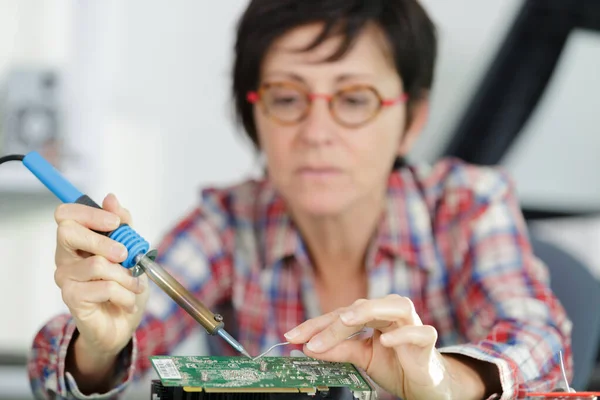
[[406, 25]]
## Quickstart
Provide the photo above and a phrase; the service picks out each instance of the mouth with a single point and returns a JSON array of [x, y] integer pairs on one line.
[[318, 172]]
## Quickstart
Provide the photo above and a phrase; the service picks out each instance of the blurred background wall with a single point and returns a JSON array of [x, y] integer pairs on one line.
[[143, 91]]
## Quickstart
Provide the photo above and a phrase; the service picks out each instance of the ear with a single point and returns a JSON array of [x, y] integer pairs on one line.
[[418, 113]]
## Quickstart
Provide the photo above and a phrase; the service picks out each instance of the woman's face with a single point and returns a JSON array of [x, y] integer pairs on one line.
[[319, 165]]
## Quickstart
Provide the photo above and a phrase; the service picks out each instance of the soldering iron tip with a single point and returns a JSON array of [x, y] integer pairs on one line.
[[244, 352]]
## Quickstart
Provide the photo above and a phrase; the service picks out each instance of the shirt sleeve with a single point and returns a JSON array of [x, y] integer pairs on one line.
[[502, 300], [195, 253]]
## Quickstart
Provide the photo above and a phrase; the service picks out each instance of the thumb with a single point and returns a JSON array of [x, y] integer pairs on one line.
[[111, 204]]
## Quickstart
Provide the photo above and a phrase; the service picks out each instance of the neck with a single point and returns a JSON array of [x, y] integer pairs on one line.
[[338, 244]]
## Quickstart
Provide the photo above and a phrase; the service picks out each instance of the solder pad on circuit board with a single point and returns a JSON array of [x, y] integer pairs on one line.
[[268, 374]]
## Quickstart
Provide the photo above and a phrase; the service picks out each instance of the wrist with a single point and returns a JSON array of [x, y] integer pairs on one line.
[[471, 378], [87, 352], [93, 371]]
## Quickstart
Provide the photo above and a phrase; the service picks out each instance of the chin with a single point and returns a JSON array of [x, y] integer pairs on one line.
[[325, 203]]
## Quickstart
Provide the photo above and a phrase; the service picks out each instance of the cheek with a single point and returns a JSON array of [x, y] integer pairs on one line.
[[379, 143], [264, 132], [273, 144]]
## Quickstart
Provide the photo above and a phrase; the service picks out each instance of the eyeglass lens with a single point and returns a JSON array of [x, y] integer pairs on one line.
[[351, 106]]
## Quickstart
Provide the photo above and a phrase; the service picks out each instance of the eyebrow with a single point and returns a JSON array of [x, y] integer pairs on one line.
[[339, 79]]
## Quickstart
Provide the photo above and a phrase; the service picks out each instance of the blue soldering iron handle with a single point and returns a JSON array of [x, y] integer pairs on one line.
[[67, 193], [51, 178]]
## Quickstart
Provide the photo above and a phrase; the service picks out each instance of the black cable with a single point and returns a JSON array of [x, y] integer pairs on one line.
[[12, 157]]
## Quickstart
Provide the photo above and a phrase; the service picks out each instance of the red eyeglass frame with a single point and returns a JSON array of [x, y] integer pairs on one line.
[[254, 97]]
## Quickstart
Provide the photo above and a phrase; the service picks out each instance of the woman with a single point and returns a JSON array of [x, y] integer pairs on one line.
[[340, 235]]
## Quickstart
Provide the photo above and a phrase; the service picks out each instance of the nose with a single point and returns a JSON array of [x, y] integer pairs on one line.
[[318, 127]]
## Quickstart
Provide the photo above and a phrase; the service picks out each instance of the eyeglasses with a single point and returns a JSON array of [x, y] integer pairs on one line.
[[289, 103]]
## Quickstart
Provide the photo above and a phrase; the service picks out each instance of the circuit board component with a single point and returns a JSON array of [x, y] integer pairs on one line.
[[212, 374]]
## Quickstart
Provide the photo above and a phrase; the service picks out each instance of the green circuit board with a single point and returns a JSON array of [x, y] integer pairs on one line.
[[268, 374]]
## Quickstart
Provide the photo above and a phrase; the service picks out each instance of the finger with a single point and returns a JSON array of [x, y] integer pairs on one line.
[[90, 217], [73, 237], [311, 327], [331, 336], [390, 308], [422, 339], [308, 329], [97, 292], [357, 352], [99, 268], [111, 203], [421, 336]]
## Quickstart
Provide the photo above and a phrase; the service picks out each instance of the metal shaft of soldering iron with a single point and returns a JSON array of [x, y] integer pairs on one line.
[[211, 322]]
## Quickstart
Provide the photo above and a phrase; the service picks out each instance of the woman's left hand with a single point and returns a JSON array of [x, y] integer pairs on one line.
[[400, 356]]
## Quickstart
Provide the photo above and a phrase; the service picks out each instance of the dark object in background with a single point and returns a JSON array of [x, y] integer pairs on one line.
[[515, 82]]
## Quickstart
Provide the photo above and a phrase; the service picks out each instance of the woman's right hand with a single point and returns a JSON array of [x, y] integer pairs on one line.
[[105, 300]]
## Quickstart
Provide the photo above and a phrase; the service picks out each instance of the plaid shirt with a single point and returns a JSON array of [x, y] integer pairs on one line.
[[452, 240]]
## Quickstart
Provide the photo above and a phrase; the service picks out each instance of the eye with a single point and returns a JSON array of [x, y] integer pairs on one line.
[[356, 99], [284, 97], [282, 100]]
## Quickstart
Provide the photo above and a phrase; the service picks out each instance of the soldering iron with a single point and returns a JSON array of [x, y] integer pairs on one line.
[[140, 259]]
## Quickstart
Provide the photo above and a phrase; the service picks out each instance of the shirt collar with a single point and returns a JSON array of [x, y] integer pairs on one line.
[[404, 231]]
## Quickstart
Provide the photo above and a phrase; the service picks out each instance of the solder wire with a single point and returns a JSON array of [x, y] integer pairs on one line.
[[286, 343]]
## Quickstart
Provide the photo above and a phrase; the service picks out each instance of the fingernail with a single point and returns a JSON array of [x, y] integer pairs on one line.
[[291, 334], [314, 344], [119, 251], [113, 221], [347, 317]]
